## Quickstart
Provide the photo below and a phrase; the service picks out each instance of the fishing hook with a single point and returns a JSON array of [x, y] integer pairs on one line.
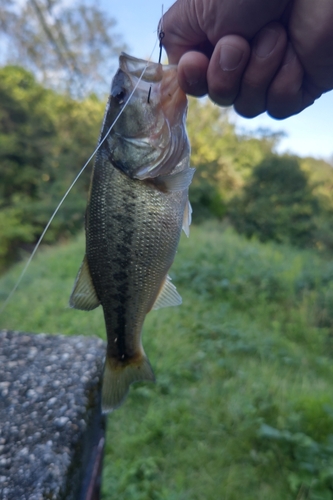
[[149, 92], [161, 35]]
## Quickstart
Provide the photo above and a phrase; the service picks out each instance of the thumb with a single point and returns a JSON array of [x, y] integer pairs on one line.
[[181, 29]]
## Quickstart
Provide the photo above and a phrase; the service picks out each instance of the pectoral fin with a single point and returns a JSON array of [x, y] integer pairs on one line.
[[83, 295], [175, 182], [187, 219], [168, 295]]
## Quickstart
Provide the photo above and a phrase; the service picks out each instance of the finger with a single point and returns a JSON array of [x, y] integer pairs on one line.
[[181, 30], [268, 49], [286, 96], [226, 68], [188, 23], [192, 73], [311, 34]]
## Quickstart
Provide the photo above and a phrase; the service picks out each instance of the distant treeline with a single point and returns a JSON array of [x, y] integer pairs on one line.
[[283, 198], [46, 137]]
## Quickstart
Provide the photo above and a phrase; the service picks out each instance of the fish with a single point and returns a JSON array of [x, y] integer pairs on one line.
[[137, 206]]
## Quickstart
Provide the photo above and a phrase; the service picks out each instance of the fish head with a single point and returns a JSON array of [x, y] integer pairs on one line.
[[148, 109]]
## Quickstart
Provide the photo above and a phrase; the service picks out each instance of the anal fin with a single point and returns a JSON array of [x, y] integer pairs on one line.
[[168, 295], [83, 295]]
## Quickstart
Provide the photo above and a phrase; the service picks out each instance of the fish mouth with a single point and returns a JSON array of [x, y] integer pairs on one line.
[[171, 97], [149, 71], [160, 83]]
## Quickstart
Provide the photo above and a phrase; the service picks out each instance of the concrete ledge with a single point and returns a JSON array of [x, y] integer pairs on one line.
[[51, 427]]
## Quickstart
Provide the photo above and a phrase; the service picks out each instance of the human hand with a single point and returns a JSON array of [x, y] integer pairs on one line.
[[239, 54]]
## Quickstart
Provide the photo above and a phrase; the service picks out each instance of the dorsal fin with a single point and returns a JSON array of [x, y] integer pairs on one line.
[[168, 295], [83, 295]]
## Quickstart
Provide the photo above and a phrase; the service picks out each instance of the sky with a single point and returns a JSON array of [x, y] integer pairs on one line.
[[309, 133]]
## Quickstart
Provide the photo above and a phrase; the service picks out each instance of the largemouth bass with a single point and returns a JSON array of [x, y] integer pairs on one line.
[[138, 204]]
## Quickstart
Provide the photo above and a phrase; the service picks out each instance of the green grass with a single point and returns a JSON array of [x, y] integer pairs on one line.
[[243, 404]]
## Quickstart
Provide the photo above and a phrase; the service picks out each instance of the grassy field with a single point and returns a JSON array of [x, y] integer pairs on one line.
[[243, 404]]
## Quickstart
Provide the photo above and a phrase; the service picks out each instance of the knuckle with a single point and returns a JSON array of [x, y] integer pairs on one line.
[[254, 82]]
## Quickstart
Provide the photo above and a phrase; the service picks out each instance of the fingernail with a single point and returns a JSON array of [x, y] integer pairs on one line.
[[193, 77], [230, 57], [266, 42]]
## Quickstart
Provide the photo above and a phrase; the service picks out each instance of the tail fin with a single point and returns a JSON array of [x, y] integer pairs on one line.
[[118, 377]]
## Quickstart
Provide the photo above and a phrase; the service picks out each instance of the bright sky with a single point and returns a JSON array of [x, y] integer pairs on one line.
[[309, 133]]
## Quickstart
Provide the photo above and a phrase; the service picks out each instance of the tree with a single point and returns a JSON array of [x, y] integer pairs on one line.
[[45, 138], [277, 203], [67, 47], [223, 158], [320, 175]]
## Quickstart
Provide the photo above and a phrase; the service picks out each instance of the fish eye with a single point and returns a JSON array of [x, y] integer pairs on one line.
[[120, 96]]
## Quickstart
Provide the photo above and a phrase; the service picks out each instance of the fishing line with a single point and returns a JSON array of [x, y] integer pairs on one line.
[[73, 183], [161, 35]]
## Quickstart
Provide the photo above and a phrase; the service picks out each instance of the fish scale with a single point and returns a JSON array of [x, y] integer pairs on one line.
[[135, 247]]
